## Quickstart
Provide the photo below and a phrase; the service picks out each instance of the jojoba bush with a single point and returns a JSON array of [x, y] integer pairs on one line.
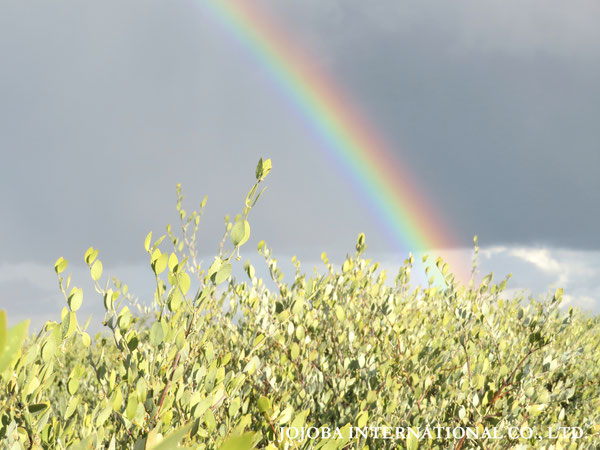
[[217, 362]]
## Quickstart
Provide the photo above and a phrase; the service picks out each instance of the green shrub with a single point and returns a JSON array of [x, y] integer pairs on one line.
[[220, 363]]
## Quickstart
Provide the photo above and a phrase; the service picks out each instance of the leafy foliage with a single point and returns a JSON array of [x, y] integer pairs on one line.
[[223, 363]]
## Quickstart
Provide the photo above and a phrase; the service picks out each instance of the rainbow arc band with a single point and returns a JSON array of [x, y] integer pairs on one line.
[[351, 141]]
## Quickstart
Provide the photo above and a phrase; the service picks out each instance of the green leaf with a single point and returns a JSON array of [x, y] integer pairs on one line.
[[72, 385], [69, 325], [362, 418], [209, 352], [3, 330], [161, 263], [339, 312], [156, 334], [214, 267], [117, 401], [103, 415], [38, 408], [285, 415], [175, 301], [154, 256], [96, 270], [412, 441], [222, 274], [264, 405], [13, 342], [31, 386], [263, 168], [133, 343], [131, 409], [153, 439], [173, 261], [60, 265], [249, 269], [89, 256], [201, 407], [300, 419], [252, 365], [361, 360], [183, 279], [240, 232], [85, 339], [71, 407], [48, 350], [535, 410], [124, 318], [234, 406], [86, 444], [75, 298], [209, 420], [294, 351], [172, 440], [180, 339], [109, 299], [243, 442], [147, 241]]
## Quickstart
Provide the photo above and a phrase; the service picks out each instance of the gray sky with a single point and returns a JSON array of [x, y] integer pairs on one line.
[[105, 106]]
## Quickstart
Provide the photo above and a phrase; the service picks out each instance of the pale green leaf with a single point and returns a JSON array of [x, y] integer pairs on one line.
[[240, 232], [147, 241], [222, 274], [86, 444], [60, 265], [75, 298], [156, 334], [12, 347], [161, 263], [412, 441], [3, 330], [96, 270], [172, 440], [243, 442]]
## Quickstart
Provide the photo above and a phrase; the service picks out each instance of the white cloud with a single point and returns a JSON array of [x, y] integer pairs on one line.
[[541, 258], [488, 252], [545, 269], [536, 271], [583, 301]]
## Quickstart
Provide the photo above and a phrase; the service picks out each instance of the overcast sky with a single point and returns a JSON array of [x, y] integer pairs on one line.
[[105, 106]]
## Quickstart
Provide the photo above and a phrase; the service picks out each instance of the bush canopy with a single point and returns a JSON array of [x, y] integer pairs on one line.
[[338, 358]]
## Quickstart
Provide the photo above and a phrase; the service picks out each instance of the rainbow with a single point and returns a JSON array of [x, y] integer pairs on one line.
[[351, 141]]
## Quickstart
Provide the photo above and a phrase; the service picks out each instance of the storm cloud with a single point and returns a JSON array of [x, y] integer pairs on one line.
[[105, 107]]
